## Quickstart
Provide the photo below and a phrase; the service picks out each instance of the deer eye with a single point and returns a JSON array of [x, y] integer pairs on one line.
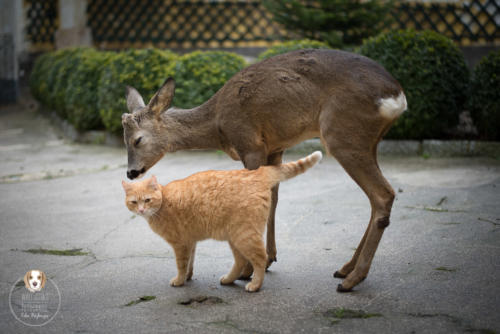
[[137, 141]]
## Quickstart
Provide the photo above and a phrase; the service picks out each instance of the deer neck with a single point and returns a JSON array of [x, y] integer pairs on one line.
[[187, 129]]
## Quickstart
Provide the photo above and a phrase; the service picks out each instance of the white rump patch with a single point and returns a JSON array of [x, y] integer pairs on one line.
[[393, 107]]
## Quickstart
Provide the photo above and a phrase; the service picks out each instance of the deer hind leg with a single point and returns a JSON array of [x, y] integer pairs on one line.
[[356, 152], [363, 168]]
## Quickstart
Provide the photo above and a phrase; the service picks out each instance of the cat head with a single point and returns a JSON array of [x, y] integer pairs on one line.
[[143, 197]]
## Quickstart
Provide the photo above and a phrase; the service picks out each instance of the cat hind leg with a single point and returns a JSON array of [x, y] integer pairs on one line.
[[239, 264], [254, 250]]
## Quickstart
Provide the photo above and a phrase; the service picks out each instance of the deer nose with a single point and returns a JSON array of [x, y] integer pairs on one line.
[[132, 174]]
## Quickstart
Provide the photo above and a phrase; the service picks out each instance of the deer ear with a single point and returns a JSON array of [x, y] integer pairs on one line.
[[163, 97], [134, 99]]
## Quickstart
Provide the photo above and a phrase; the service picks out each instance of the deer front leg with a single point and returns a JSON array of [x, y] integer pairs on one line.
[[191, 264], [253, 160], [272, 160]]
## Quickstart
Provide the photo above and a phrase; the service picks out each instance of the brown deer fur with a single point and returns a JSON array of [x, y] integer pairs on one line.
[[347, 100]]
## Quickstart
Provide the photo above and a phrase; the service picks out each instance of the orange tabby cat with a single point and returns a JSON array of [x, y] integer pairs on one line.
[[222, 205]]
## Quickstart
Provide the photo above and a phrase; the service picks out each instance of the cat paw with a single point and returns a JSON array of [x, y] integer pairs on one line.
[[225, 280], [252, 287], [189, 276], [176, 281]]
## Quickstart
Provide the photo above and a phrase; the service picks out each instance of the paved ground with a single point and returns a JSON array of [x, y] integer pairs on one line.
[[436, 271]]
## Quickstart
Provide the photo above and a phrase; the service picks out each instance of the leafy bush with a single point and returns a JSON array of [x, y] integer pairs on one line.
[[199, 75], [484, 97], [62, 66], [80, 98], [292, 46], [144, 70], [38, 78], [433, 74], [46, 75]]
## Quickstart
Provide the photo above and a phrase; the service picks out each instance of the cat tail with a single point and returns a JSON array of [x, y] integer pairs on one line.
[[292, 169]]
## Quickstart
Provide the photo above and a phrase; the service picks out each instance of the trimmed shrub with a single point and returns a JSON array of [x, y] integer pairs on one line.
[[199, 75], [434, 76], [81, 92], [38, 77], [144, 70], [58, 79], [292, 46], [484, 97]]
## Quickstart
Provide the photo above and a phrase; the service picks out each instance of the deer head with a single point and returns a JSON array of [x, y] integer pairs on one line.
[[141, 128]]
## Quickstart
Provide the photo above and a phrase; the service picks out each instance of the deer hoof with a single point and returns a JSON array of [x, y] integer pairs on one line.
[[270, 261], [337, 274], [340, 288]]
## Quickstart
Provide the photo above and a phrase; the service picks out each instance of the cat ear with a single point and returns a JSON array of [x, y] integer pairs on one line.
[[125, 185], [153, 183]]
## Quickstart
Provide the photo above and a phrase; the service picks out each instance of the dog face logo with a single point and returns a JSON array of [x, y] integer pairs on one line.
[[34, 280]]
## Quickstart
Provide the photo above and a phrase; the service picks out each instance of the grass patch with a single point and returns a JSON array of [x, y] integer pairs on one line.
[[66, 252], [441, 201], [488, 221], [432, 208], [141, 300], [335, 315], [445, 269]]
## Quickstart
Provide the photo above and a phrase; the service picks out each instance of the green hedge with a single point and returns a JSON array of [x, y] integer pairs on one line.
[[199, 75], [292, 46], [484, 97], [144, 70], [434, 76], [82, 88], [38, 79]]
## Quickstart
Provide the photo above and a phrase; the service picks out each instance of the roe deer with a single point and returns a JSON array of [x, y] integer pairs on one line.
[[347, 100]]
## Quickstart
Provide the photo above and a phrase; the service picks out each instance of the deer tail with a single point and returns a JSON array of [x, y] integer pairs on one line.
[[292, 169]]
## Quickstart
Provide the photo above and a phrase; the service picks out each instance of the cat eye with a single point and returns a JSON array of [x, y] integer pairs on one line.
[[137, 141], [147, 200], [133, 202]]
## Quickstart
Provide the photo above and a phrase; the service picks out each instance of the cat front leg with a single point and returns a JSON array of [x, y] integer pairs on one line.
[[182, 256]]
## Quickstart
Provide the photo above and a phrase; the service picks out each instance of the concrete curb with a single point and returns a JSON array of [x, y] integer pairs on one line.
[[434, 148]]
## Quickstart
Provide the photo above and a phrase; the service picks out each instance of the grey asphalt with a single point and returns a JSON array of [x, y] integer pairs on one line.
[[436, 270]]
